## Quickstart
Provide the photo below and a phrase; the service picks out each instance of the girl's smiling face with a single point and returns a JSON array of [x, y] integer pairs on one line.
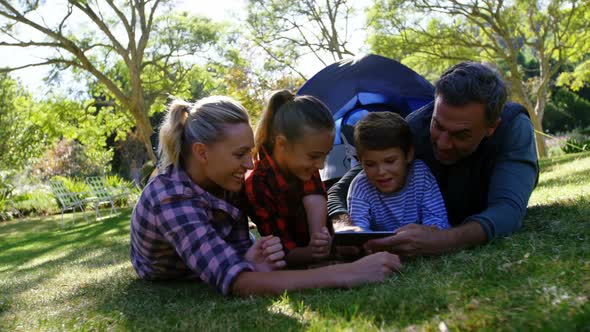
[[305, 156]]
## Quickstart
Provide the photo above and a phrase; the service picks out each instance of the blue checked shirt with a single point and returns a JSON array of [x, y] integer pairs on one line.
[[179, 230]]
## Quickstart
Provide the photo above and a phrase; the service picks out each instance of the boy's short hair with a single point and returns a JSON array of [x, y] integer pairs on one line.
[[381, 131]]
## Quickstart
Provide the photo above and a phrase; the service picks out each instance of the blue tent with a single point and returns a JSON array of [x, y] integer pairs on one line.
[[351, 88]]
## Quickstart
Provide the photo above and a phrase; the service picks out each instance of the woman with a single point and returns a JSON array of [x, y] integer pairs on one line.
[[187, 224]]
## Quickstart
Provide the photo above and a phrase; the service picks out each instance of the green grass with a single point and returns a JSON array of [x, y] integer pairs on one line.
[[80, 278]]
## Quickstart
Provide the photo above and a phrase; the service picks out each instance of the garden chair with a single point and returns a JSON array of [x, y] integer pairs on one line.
[[67, 200], [103, 194]]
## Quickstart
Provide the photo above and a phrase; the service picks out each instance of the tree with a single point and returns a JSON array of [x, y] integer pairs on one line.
[[135, 49], [28, 128], [288, 30], [579, 77], [497, 31], [20, 136]]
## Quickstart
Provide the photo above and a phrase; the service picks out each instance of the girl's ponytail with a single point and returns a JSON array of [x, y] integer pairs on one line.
[[264, 130]]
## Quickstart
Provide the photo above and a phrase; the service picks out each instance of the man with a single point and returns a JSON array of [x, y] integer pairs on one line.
[[482, 154]]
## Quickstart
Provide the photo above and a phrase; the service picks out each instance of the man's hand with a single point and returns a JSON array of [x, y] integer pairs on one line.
[[266, 254], [412, 240], [320, 243]]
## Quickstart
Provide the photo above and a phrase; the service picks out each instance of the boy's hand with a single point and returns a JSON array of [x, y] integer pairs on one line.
[[320, 243], [266, 254]]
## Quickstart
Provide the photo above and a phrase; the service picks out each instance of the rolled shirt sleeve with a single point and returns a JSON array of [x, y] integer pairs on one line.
[[513, 179], [432, 206]]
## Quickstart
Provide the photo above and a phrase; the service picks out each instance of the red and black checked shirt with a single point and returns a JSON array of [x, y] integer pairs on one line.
[[275, 206]]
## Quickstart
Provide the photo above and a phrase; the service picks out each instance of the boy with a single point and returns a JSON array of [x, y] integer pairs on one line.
[[393, 189]]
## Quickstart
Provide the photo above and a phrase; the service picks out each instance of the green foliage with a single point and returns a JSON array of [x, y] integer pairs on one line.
[[74, 185], [28, 129], [136, 52], [30, 203], [21, 134], [572, 145], [251, 86], [578, 78], [33, 200], [6, 189], [35, 203], [115, 181], [391, 36], [182, 35], [6, 186], [126, 190], [516, 35], [72, 159], [566, 111]]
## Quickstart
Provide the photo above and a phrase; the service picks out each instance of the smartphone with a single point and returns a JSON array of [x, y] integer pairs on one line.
[[357, 238]]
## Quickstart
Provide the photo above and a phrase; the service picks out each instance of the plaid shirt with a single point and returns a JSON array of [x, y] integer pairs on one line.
[[179, 230], [275, 206]]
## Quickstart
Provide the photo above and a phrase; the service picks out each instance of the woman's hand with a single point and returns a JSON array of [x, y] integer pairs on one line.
[[266, 254], [320, 243], [372, 268]]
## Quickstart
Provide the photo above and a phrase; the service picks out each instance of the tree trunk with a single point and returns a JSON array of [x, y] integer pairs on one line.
[[539, 139], [144, 128], [140, 109], [519, 95], [539, 112]]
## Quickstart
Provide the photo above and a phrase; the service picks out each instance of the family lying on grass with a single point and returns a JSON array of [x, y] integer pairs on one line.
[[453, 174]]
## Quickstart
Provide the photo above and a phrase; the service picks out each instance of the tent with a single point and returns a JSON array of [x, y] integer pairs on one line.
[[353, 87]]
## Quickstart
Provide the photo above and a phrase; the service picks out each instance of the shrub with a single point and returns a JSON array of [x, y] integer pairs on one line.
[[566, 111], [79, 187], [6, 189], [572, 145], [71, 159], [35, 203], [123, 187]]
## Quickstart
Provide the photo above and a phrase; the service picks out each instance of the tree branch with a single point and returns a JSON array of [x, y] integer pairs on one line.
[[48, 62], [86, 9]]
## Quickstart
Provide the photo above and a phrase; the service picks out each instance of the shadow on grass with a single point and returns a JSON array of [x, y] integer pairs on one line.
[[42, 252], [572, 178], [532, 280], [548, 219], [38, 237], [176, 305], [504, 285], [547, 163]]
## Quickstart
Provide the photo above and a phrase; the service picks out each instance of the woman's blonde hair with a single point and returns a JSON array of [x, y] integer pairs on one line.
[[203, 121]]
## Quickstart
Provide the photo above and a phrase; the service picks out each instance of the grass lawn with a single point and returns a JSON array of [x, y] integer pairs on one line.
[[80, 278]]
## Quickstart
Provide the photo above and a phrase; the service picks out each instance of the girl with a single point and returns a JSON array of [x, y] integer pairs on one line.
[[287, 197], [187, 224]]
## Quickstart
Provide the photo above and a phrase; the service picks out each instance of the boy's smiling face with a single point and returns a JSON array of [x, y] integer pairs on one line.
[[387, 169]]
